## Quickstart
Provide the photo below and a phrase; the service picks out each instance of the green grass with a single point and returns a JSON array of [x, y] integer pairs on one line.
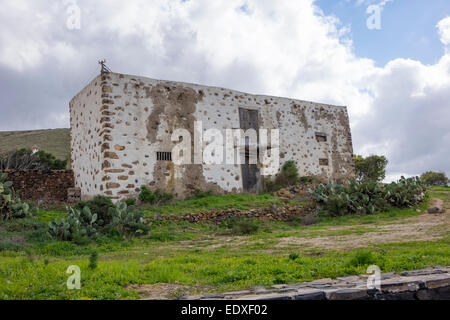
[[55, 141], [439, 188], [214, 257], [29, 277], [51, 215], [237, 201]]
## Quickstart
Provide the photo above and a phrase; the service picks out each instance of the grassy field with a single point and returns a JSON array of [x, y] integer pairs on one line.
[[55, 141], [195, 258]]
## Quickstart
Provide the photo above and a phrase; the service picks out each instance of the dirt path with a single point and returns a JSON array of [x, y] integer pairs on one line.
[[422, 228]]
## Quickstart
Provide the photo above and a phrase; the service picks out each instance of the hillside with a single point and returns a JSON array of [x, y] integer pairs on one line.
[[55, 141]]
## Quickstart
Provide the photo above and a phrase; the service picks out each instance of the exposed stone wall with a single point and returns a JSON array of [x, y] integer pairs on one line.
[[46, 186], [119, 123]]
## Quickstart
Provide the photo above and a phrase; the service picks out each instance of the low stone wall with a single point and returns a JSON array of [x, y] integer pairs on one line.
[[46, 186], [427, 284], [305, 213]]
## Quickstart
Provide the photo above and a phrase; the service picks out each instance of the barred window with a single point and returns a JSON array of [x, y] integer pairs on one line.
[[163, 156], [323, 162]]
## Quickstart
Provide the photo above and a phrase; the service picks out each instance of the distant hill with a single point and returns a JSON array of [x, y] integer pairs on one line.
[[55, 141]]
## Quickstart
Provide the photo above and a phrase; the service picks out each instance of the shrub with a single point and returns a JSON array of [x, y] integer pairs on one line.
[[431, 178], [130, 201], [146, 195], [155, 198], [23, 159], [198, 194], [163, 197], [290, 171], [362, 258], [370, 168], [288, 176], [49, 161], [244, 227], [93, 259], [293, 256]]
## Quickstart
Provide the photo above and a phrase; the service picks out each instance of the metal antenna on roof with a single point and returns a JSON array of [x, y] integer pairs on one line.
[[105, 69]]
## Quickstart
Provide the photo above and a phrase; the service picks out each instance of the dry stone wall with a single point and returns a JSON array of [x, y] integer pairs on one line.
[[119, 124], [38, 185]]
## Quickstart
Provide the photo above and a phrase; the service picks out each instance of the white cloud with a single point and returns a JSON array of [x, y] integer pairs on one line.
[[444, 30], [284, 47]]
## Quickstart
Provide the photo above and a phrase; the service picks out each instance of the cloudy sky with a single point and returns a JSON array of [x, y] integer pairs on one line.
[[393, 73]]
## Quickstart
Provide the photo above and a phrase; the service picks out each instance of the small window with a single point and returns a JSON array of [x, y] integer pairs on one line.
[[164, 156], [321, 137], [323, 162]]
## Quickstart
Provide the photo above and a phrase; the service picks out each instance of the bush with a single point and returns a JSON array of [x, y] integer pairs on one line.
[[155, 198], [431, 178], [49, 161], [293, 256], [130, 201], [243, 227], [288, 176], [146, 195], [370, 168], [362, 258], [93, 259], [198, 194], [25, 159], [368, 196]]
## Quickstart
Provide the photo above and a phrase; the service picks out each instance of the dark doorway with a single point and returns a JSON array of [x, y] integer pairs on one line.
[[250, 172]]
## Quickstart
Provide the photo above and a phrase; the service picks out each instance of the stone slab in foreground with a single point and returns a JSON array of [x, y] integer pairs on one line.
[[427, 284]]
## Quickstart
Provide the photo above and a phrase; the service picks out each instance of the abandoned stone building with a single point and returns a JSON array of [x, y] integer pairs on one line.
[[121, 127]]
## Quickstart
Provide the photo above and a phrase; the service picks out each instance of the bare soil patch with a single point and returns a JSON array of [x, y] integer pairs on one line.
[[162, 291], [421, 228]]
